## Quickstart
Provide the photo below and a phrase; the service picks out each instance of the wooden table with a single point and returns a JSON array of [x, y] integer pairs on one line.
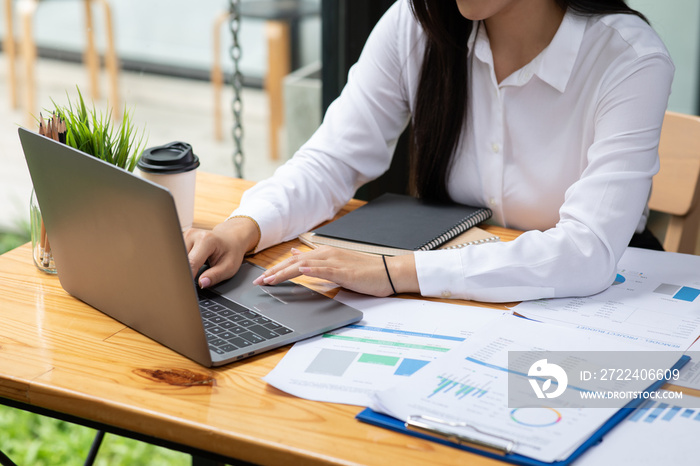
[[62, 357]]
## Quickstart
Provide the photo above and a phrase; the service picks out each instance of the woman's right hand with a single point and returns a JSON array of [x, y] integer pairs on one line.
[[222, 247]]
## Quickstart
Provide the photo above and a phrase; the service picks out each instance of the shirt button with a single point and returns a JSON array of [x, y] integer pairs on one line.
[[492, 200], [495, 147], [446, 294]]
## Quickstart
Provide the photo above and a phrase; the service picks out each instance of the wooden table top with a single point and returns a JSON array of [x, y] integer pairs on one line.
[[60, 354]]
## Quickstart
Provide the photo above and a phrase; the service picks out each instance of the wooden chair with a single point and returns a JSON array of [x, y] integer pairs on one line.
[[281, 19], [26, 10], [676, 188]]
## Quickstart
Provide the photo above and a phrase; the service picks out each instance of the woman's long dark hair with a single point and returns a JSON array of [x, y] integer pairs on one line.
[[441, 98]]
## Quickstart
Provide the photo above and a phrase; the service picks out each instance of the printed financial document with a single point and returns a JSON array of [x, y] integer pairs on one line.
[[690, 374], [396, 338], [654, 301], [470, 385], [658, 432]]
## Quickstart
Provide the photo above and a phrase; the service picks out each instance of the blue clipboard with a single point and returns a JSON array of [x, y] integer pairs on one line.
[[381, 420]]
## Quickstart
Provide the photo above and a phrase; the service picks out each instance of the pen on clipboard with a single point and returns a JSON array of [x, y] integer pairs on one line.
[[429, 425]]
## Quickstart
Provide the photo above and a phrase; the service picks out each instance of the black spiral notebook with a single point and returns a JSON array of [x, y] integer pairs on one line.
[[404, 223]]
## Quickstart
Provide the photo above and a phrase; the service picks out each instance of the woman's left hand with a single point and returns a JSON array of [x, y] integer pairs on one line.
[[356, 271]]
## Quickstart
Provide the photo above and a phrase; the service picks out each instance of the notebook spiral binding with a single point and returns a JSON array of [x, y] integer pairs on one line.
[[470, 243], [460, 228]]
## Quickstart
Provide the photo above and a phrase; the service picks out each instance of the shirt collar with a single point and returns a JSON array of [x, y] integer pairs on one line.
[[555, 63]]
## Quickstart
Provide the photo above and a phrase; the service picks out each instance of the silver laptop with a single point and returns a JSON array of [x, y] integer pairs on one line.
[[118, 247]]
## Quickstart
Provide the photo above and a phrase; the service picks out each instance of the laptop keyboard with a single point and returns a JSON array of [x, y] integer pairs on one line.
[[230, 326]]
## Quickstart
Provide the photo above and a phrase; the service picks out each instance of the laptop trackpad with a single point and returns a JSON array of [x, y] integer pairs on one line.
[[289, 304]]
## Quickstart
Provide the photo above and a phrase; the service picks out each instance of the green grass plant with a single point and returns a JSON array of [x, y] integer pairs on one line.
[[31, 439], [94, 133], [11, 240]]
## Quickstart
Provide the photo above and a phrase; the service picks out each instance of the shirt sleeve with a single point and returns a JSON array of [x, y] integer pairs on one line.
[[600, 213], [353, 145]]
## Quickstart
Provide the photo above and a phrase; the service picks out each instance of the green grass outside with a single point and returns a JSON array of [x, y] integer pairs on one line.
[[12, 240], [31, 439]]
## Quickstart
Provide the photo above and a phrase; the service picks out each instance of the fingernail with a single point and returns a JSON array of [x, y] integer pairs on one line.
[[295, 251], [304, 269], [268, 280], [204, 282], [259, 280]]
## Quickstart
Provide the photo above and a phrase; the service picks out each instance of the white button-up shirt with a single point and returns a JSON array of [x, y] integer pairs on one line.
[[564, 148]]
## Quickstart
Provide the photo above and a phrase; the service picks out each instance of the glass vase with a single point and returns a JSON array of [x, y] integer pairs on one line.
[[41, 248]]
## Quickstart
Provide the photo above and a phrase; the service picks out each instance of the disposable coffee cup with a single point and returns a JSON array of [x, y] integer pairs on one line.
[[173, 166]]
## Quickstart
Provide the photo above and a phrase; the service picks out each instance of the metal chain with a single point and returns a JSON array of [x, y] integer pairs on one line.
[[237, 84]]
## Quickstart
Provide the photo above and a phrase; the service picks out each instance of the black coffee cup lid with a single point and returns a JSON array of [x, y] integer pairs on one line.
[[172, 158]]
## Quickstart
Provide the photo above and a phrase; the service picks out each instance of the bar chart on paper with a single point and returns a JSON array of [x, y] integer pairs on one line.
[[637, 288], [392, 342], [353, 360], [467, 392], [632, 281], [660, 431], [338, 362], [447, 386], [652, 411], [683, 293], [654, 300]]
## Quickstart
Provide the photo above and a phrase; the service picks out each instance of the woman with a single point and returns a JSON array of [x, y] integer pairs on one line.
[[547, 111]]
